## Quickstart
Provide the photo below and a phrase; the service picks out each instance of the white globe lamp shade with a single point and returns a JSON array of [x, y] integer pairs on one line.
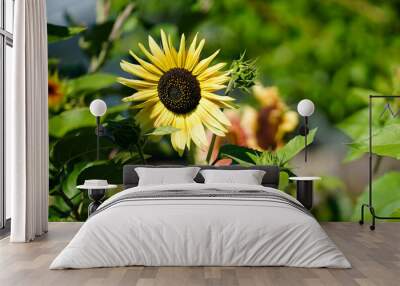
[[305, 107], [98, 107]]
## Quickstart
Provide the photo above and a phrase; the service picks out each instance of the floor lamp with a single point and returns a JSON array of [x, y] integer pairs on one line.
[[305, 108], [98, 108]]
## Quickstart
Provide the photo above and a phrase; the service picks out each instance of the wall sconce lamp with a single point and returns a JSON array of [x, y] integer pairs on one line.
[[305, 108], [98, 108]]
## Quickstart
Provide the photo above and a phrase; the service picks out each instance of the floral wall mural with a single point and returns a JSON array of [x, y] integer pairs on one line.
[[217, 82]]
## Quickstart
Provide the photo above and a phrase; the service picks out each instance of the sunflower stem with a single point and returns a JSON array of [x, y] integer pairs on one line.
[[214, 137], [116, 31], [210, 149]]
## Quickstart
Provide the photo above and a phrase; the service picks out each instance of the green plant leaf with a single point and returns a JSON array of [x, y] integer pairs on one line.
[[106, 170], [90, 82], [385, 142], [125, 133], [125, 157], [94, 38], [80, 147], [239, 161], [237, 153], [296, 145], [386, 196], [163, 130], [356, 125], [69, 185], [70, 120], [57, 33], [283, 180]]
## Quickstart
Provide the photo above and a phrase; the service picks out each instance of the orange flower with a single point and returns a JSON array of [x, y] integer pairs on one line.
[[273, 120], [55, 91]]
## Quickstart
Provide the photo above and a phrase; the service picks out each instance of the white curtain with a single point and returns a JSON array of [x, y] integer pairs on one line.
[[27, 124]]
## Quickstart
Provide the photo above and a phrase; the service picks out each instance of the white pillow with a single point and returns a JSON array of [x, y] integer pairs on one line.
[[248, 177], [166, 176]]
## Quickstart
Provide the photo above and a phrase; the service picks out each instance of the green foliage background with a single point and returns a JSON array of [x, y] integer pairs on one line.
[[334, 52]]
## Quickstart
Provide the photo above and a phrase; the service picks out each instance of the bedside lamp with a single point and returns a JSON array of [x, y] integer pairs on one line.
[[98, 108], [305, 108]]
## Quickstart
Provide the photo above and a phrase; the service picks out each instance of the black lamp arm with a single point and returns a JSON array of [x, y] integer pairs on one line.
[[304, 130]]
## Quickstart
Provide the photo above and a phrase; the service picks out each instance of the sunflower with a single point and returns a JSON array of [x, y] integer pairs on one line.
[[177, 89], [56, 91]]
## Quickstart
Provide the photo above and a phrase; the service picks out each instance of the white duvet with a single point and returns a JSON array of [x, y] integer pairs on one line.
[[200, 231]]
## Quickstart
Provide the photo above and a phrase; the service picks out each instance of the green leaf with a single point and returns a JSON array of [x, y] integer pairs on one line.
[[69, 185], [283, 180], [352, 154], [334, 202], [386, 196], [70, 120], [245, 156], [239, 161], [384, 128], [385, 142], [80, 146], [296, 145], [356, 125], [239, 154], [94, 38], [106, 170], [125, 133], [125, 157], [90, 82], [163, 130], [396, 213], [57, 33]]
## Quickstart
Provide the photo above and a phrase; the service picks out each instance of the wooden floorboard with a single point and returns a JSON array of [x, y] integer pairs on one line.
[[375, 257]]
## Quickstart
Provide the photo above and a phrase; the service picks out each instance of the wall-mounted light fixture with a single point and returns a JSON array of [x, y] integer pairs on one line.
[[98, 108], [305, 108]]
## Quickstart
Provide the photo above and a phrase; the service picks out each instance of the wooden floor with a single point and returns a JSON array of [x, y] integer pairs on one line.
[[375, 257]]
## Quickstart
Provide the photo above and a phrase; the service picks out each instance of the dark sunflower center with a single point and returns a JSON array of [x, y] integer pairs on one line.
[[179, 91]]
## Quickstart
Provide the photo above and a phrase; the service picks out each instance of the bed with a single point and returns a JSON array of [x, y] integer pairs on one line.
[[198, 224]]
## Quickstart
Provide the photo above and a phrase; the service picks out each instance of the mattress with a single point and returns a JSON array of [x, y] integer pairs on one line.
[[201, 225]]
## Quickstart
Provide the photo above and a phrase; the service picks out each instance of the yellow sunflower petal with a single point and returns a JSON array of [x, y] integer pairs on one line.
[[167, 51], [164, 119], [178, 138], [215, 111], [194, 59], [223, 101], [174, 53], [221, 79], [157, 108], [136, 84], [211, 71], [158, 62], [141, 95], [158, 52], [196, 130], [138, 71], [203, 64], [190, 52], [216, 97], [148, 66], [210, 122], [211, 87], [142, 117], [146, 104], [182, 52]]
